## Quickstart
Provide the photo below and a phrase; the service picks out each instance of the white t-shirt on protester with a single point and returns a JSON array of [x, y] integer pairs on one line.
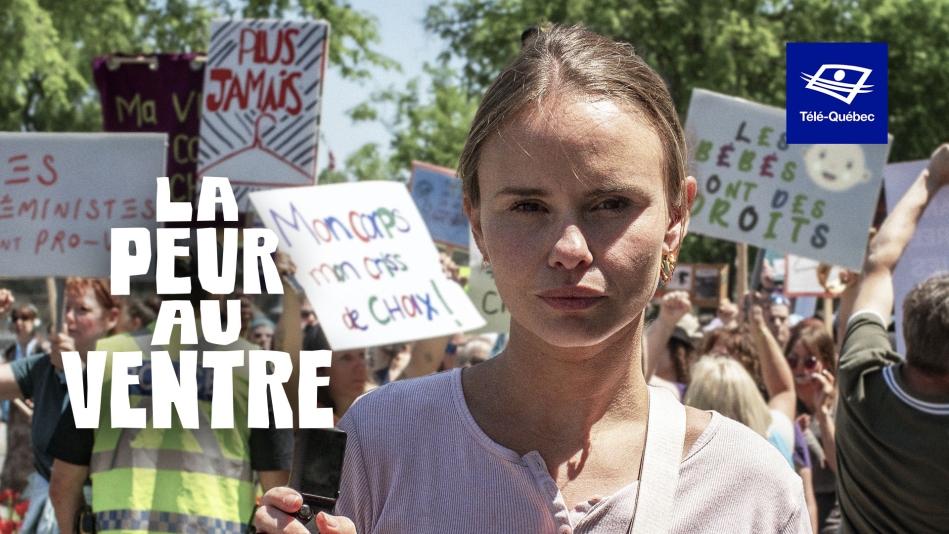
[[417, 462]]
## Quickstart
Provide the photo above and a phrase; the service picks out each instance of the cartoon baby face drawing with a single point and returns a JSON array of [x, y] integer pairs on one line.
[[836, 167]]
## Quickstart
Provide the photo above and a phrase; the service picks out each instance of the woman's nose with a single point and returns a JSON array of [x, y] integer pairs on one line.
[[570, 250]]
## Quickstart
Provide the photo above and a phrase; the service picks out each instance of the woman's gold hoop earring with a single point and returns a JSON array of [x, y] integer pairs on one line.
[[666, 268]]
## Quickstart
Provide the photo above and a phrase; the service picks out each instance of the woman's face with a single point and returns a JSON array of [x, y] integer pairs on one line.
[[22, 324], [804, 363], [348, 373], [574, 219], [86, 319]]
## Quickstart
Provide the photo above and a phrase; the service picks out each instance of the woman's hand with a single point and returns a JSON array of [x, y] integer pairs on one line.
[[275, 515], [60, 343], [823, 396]]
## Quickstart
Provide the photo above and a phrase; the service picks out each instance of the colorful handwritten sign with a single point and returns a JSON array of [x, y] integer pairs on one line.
[[928, 252], [484, 293], [262, 96], [815, 201], [437, 193], [62, 193], [367, 263], [156, 93]]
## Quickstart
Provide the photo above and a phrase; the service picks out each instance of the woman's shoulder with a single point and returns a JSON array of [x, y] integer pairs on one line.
[[733, 478], [730, 448], [406, 402]]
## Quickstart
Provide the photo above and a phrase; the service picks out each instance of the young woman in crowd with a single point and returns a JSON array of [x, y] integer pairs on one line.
[[574, 175], [810, 354]]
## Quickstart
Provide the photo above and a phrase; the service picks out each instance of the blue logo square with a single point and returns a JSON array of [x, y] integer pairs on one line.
[[837, 93]]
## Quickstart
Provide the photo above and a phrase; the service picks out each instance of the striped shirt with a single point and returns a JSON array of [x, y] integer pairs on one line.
[[417, 462], [892, 441]]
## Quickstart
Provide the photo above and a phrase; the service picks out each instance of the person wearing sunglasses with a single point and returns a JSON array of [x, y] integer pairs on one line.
[[24, 320], [811, 356]]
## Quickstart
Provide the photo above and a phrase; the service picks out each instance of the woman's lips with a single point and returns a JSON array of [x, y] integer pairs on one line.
[[570, 299]]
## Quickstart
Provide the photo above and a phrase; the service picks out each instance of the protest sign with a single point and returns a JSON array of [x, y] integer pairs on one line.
[[262, 95], [484, 293], [928, 252], [437, 193], [805, 277], [367, 263], [815, 201], [156, 93], [706, 283], [62, 193]]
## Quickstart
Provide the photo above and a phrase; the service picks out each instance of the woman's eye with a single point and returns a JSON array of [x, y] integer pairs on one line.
[[612, 204], [525, 206]]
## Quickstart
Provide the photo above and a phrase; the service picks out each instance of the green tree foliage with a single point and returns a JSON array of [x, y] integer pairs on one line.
[[46, 66], [430, 126], [730, 46]]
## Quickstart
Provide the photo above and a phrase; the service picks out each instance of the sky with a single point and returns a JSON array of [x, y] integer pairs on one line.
[[403, 39]]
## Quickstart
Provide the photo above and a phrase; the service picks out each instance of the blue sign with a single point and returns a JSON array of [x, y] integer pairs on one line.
[[837, 93], [437, 194]]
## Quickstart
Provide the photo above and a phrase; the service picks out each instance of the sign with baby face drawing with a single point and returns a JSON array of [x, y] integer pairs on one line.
[[261, 109], [815, 201]]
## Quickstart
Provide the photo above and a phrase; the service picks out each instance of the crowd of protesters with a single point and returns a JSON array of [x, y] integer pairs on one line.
[[828, 398]]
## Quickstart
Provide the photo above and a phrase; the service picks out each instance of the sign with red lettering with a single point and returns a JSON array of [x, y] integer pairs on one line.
[[62, 193], [815, 201], [262, 94], [156, 93]]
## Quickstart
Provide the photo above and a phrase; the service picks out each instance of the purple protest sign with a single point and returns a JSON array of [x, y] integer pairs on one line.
[[156, 93]]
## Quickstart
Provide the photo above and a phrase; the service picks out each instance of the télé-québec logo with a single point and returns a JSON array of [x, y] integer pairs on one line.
[[837, 93]]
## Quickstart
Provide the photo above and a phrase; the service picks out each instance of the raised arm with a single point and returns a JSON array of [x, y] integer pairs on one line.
[[875, 292], [775, 371], [672, 307]]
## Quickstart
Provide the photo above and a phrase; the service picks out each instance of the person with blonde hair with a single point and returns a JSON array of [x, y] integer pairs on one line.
[[722, 384]]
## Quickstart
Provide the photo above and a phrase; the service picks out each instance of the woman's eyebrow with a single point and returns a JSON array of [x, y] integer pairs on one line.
[[522, 191]]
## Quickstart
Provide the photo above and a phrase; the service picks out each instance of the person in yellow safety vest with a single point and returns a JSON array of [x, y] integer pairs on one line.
[[167, 480]]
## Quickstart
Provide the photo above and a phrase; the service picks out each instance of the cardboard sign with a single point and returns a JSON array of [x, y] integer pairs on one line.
[[262, 94], [928, 252], [156, 93], [437, 193], [803, 277], [815, 201], [367, 263], [62, 193], [484, 294], [706, 283]]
